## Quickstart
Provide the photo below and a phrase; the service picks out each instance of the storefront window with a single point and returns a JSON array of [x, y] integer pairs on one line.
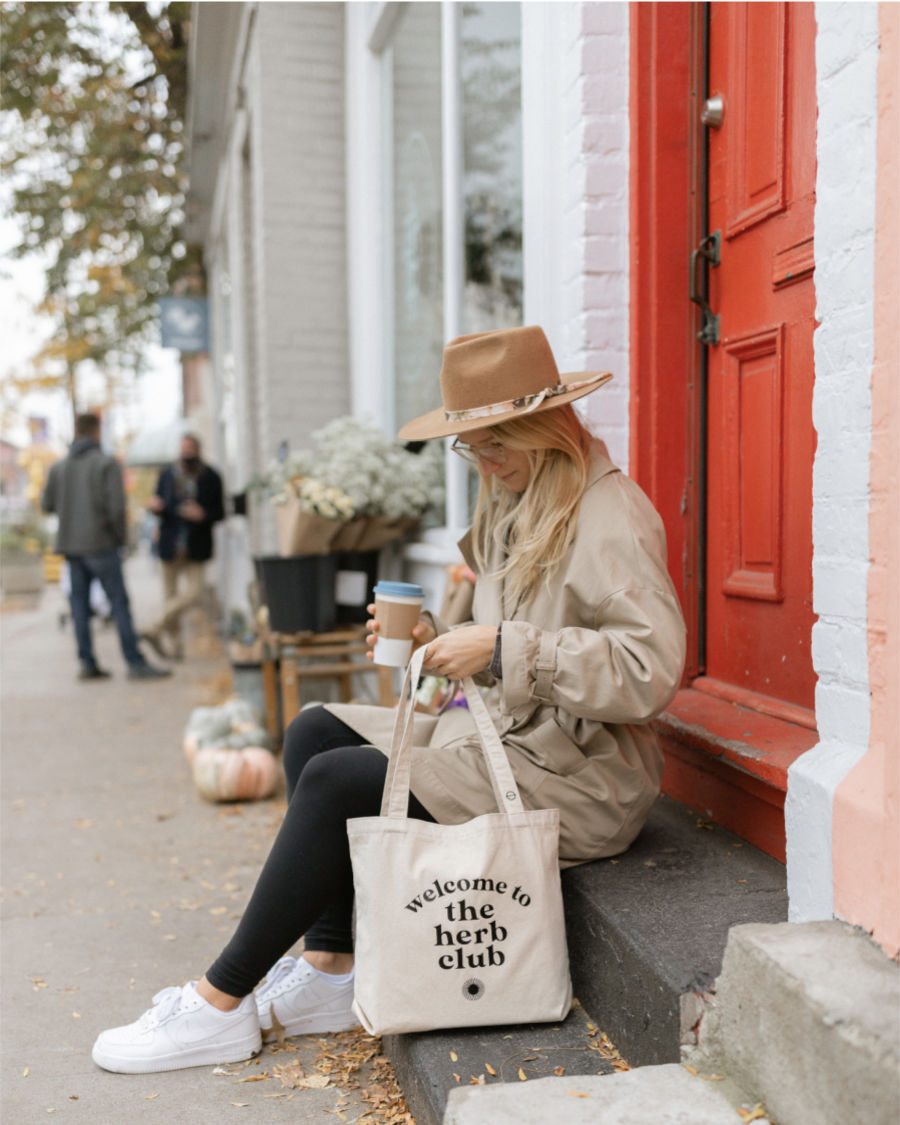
[[466, 186], [492, 165], [417, 193]]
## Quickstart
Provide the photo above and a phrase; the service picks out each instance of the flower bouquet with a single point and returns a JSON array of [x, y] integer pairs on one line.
[[356, 490], [309, 515]]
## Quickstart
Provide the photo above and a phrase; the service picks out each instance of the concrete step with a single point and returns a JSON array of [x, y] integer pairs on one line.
[[431, 1065], [646, 932], [807, 1019], [655, 1095]]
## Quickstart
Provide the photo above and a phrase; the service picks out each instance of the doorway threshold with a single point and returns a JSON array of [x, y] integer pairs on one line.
[[729, 763]]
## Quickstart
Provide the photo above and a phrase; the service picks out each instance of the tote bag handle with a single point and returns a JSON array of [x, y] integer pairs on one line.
[[395, 800]]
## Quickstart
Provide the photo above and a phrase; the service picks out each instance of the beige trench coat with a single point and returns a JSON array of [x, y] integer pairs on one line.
[[586, 667]]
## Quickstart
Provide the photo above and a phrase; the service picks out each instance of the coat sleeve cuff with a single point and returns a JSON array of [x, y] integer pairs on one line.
[[521, 645]]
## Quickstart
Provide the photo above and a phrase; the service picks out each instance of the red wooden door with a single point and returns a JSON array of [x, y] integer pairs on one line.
[[760, 375]]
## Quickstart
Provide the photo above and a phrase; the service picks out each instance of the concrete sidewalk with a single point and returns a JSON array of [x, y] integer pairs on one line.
[[119, 879]]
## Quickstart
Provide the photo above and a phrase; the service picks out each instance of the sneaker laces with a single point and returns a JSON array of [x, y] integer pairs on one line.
[[276, 974], [166, 1003]]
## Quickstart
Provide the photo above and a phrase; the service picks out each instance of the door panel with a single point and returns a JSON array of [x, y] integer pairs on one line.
[[760, 434], [752, 457], [755, 165]]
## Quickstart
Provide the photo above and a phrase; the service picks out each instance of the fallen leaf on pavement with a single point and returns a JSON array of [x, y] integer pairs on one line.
[[314, 1082]]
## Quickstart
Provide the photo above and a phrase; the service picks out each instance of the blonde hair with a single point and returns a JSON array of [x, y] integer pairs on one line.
[[533, 530]]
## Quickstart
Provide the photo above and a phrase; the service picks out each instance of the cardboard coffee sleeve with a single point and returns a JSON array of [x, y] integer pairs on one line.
[[397, 609]]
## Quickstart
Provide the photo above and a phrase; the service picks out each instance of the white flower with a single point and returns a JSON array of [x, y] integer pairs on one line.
[[356, 470]]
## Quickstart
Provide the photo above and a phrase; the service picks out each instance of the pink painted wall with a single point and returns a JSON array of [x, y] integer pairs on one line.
[[866, 825]]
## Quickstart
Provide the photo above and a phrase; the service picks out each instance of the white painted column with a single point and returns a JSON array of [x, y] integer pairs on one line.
[[366, 153], [846, 94], [454, 237]]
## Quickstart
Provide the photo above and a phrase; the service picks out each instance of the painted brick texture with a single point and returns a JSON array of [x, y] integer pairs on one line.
[[295, 94], [846, 53], [846, 58], [596, 217]]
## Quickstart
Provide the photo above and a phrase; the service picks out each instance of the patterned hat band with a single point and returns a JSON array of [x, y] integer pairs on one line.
[[525, 403]]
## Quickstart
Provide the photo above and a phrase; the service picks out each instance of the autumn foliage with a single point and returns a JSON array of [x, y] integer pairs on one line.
[[93, 98]]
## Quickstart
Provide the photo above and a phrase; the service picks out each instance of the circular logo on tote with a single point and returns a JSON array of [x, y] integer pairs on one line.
[[473, 989]]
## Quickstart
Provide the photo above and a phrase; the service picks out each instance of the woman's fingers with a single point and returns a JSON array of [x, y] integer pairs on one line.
[[372, 627], [461, 652]]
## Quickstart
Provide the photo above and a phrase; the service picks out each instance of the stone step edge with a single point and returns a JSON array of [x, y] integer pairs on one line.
[[807, 1015], [655, 1095], [430, 1065]]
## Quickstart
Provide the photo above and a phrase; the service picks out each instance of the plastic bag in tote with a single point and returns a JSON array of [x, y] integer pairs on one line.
[[457, 925]]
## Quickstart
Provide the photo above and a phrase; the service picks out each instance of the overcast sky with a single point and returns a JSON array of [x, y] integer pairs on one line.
[[158, 398]]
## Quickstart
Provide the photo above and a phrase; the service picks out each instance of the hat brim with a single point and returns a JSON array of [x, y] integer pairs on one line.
[[434, 424]]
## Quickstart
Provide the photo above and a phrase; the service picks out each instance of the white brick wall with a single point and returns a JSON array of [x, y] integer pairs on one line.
[[603, 168], [295, 93], [575, 76], [846, 65]]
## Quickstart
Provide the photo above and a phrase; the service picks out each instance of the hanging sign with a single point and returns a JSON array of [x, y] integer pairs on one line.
[[184, 323]]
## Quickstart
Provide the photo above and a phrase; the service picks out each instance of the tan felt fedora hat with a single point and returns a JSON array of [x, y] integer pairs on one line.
[[492, 377]]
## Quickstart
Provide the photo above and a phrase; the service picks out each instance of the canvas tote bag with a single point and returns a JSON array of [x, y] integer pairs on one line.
[[457, 925]]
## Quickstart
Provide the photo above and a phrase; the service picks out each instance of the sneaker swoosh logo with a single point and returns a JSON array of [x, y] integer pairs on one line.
[[191, 1030]]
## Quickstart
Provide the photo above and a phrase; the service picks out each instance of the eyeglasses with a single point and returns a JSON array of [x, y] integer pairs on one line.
[[494, 453]]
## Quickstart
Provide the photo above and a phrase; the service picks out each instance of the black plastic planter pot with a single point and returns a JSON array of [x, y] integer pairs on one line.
[[299, 592]]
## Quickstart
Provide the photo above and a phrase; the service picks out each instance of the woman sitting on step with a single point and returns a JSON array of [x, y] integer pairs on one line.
[[576, 627]]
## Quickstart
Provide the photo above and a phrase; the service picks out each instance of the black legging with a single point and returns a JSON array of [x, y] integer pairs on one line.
[[306, 884]]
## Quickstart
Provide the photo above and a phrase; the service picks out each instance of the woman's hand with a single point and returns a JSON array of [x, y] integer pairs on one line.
[[461, 652], [422, 633]]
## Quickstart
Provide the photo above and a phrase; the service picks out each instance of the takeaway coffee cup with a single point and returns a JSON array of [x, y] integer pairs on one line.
[[397, 609]]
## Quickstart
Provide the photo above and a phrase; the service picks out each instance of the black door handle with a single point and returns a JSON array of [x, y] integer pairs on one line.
[[709, 251]]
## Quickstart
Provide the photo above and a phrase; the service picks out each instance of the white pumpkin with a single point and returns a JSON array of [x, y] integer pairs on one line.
[[222, 774]]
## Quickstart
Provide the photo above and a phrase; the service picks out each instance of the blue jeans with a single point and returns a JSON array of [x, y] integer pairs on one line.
[[106, 567]]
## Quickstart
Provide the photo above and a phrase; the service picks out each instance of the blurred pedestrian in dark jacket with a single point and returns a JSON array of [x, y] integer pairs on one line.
[[188, 502], [85, 491]]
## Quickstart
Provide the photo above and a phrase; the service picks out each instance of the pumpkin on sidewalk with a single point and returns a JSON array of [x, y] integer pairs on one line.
[[222, 774], [228, 751]]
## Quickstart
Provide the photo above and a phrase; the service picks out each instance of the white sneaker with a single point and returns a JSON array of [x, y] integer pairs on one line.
[[304, 1001], [180, 1030]]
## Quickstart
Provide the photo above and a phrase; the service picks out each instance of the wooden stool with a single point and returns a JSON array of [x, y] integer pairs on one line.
[[329, 655]]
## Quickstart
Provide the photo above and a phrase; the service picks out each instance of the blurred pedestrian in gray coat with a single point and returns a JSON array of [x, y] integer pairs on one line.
[[86, 492]]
